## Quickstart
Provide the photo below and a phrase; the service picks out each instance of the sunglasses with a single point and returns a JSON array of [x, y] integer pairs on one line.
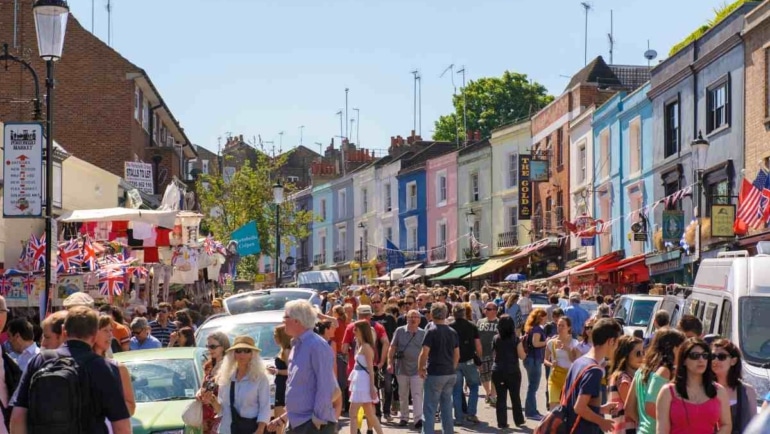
[[489, 308], [721, 357], [213, 347], [242, 351], [639, 353], [163, 311], [704, 356]]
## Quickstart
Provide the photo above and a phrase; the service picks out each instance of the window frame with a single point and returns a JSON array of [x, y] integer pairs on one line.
[[442, 188], [322, 204], [513, 169], [513, 218], [711, 116], [387, 204], [364, 200], [582, 162], [475, 184], [441, 232], [559, 148], [409, 187], [342, 199], [671, 135], [604, 160], [635, 145]]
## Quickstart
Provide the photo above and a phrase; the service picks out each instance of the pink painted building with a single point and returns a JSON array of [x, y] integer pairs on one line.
[[441, 176]]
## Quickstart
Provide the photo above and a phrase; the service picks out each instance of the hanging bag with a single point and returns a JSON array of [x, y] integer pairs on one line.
[[555, 421]]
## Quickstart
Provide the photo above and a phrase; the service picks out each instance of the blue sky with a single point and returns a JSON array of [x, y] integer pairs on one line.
[[258, 67]]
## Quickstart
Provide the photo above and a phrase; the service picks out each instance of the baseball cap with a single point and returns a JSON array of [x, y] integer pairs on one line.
[[364, 309]]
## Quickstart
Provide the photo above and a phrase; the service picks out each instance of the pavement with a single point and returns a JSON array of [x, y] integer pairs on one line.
[[486, 415]]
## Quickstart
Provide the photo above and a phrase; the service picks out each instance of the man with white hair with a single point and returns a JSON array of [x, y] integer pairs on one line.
[[311, 385]]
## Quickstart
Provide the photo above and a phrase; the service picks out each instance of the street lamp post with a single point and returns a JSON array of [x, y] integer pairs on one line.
[[361, 227], [277, 200], [700, 148], [51, 25], [469, 218]]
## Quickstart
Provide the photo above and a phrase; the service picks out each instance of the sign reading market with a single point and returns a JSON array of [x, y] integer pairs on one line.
[[23, 171], [525, 187]]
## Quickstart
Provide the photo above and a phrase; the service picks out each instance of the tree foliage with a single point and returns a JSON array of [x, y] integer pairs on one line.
[[228, 204], [491, 103]]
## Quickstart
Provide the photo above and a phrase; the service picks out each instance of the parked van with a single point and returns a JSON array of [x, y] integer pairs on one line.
[[635, 312], [324, 280], [674, 305], [731, 296]]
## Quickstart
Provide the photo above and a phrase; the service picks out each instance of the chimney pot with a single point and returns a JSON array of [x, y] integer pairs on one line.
[[241, 137]]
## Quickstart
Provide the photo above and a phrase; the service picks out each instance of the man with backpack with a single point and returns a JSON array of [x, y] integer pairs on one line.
[[71, 389]]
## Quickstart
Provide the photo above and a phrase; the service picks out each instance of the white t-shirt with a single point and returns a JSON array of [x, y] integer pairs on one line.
[[561, 356]]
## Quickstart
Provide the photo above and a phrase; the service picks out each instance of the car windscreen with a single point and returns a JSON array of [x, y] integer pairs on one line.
[[754, 329], [262, 302], [163, 379], [262, 332], [538, 298], [641, 313]]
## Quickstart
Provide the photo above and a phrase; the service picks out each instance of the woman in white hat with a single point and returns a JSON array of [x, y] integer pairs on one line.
[[244, 390]]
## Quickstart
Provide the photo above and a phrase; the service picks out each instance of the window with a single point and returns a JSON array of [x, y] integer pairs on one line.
[[364, 200], [388, 234], [548, 215], [205, 167], [145, 115], [604, 158], [635, 145], [190, 167], [138, 98], [441, 233], [477, 229], [411, 233], [582, 159], [718, 106], [670, 188], [442, 188], [323, 244], [387, 202], [717, 193], [342, 239], [474, 187], [636, 203], [559, 209], [671, 121], [559, 147], [513, 170], [513, 218], [411, 199], [323, 210], [724, 323], [604, 239], [342, 203]]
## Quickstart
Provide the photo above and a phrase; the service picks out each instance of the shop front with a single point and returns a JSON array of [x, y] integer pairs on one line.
[[668, 268]]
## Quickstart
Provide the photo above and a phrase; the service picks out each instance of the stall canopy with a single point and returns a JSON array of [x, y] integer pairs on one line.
[[398, 273], [630, 266], [431, 271], [457, 273], [586, 267], [492, 265], [166, 219]]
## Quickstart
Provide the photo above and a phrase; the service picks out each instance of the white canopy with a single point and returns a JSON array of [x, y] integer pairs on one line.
[[166, 219]]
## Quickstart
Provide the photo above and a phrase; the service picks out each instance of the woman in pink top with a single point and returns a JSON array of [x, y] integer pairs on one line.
[[694, 403]]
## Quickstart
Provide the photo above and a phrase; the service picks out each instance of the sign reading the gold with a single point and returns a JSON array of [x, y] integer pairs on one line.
[[722, 220], [525, 187]]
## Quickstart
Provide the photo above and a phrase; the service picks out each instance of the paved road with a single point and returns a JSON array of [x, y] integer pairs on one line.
[[486, 415]]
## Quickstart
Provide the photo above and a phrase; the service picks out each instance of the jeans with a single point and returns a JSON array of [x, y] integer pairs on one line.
[[471, 375], [406, 384], [534, 369], [512, 384], [438, 391]]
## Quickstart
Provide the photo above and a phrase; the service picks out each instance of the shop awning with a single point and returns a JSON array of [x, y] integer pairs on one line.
[[457, 273], [398, 273], [587, 268], [166, 219], [531, 249], [492, 265], [431, 271], [632, 265]]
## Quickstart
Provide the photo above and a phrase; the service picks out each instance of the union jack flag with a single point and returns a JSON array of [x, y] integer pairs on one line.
[[28, 283], [753, 200], [89, 255], [36, 248], [5, 285], [70, 257], [138, 272], [111, 284]]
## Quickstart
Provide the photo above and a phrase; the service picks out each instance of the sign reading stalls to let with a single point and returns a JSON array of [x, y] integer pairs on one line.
[[139, 175], [525, 187]]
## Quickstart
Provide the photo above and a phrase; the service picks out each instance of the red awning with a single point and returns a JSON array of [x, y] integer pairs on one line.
[[586, 267], [633, 261]]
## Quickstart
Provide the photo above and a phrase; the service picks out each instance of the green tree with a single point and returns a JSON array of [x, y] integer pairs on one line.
[[492, 102], [228, 204]]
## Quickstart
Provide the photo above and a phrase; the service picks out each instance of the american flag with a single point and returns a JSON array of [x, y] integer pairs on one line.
[[753, 200]]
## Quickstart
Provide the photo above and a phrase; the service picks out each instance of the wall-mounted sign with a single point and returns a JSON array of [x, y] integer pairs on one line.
[[139, 175], [23, 171], [525, 188], [247, 239], [640, 236], [722, 219], [587, 241], [539, 170], [673, 225]]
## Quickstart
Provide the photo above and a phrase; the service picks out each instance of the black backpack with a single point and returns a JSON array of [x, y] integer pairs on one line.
[[59, 396]]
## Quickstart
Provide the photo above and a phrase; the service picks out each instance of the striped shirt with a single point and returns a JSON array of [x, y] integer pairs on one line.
[[621, 425], [163, 334]]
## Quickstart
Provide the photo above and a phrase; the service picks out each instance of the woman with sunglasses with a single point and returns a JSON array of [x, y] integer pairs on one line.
[[560, 352], [726, 365], [244, 390], [626, 360], [585, 343], [217, 343], [657, 370], [363, 393], [694, 403]]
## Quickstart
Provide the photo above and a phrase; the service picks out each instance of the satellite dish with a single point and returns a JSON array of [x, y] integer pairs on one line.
[[650, 54]]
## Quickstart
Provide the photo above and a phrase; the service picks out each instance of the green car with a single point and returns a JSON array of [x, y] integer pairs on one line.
[[165, 381]]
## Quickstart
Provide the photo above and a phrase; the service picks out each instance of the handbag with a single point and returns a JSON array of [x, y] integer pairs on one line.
[[192, 415], [555, 421], [239, 424]]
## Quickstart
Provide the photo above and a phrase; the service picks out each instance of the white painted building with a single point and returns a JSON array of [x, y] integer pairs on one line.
[[581, 174]]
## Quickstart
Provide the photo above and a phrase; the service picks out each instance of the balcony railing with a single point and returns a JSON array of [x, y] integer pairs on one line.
[[438, 253], [303, 264], [340, 256], [472, 253], [412, 256], [508, 239], [319, 259], [358, 257]]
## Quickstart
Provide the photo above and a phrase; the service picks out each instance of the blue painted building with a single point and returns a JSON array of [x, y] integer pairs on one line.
[[323, 206], [343, 229], [301, 249]]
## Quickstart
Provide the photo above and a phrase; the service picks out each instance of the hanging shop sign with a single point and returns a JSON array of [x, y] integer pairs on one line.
[[139, 175], [722, 220], [23, 172], [584, 226], [247, 239], [673, 225], [525, 187], [539, 170]]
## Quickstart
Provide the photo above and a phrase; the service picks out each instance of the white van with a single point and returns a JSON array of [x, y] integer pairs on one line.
[[635, 312], [674, 305], [731, 296], [324, 280]]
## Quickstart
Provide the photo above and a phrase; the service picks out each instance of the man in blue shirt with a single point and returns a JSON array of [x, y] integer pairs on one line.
[[142, 339], [576, 314]]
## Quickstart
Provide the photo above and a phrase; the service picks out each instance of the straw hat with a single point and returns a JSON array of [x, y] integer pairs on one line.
[[78, 299], [246, 342]]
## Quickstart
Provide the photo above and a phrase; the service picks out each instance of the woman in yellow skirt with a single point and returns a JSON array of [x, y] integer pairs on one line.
[[560, 352]]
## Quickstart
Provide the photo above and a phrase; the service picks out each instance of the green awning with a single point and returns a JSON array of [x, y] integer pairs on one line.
[[457, 273]]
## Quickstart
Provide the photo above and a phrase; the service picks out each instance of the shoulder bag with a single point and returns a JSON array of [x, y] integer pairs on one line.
[[555, 421], [239, 424]]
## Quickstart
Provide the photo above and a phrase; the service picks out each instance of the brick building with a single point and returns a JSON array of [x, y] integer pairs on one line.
[[106, 109]]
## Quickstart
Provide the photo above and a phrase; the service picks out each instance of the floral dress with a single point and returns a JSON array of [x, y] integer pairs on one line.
[[210, 418]]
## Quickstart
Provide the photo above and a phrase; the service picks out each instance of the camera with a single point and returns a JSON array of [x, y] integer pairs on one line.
[[399, 355]]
